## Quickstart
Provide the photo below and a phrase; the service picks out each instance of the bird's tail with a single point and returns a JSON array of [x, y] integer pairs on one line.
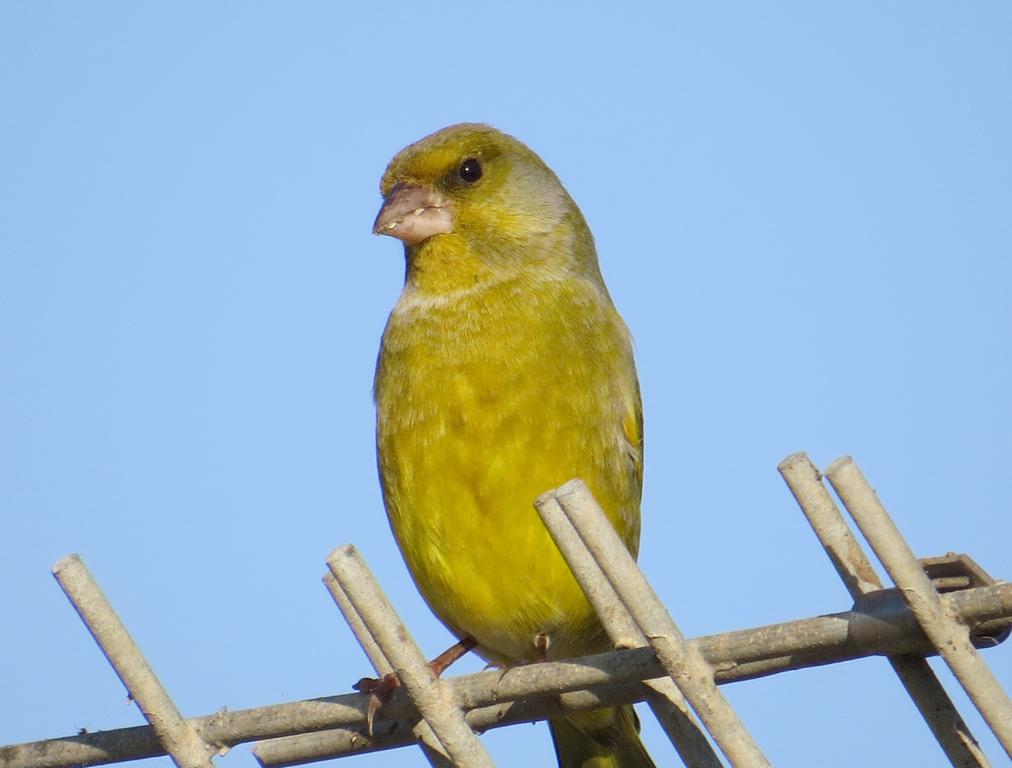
[[601, 738]]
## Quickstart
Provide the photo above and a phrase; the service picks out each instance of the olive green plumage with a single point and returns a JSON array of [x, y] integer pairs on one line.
[[504, 371], [603, 738]]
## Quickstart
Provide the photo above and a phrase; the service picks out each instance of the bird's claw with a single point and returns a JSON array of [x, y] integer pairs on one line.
[[379, 691]]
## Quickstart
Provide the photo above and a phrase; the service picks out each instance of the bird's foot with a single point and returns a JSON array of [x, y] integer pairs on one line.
[[379, 690]]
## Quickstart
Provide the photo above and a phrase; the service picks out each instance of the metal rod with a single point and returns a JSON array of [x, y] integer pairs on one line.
[[324, 745], [683, 662], [844, 551], [947, 634], [177, 736], [857, 573], [879, 626], [663, 696], [338, 742], [427, 740], [618, 623], [380, 663], [430, 693]]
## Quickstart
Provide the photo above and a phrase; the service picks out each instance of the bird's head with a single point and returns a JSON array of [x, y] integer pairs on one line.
[[471, 188]]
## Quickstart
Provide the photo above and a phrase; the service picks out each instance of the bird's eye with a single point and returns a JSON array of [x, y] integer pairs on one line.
[[470, 170]]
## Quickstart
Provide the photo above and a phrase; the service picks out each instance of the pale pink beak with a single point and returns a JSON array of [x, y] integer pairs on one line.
[[413, 214]]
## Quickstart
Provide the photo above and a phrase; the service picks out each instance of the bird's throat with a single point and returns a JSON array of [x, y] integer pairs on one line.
[[444, 264]]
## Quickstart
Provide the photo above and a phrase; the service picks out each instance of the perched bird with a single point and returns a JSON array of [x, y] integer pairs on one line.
[[504, 371]]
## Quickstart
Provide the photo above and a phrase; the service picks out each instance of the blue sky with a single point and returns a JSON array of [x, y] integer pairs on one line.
[[802, 211]]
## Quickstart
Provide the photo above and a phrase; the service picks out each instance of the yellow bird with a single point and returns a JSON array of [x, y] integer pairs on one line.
[[504, 371]]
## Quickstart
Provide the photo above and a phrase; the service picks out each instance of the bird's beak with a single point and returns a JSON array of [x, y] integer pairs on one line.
[[413, 214]]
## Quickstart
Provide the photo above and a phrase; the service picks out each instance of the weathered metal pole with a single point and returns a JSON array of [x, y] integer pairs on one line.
[[431, 694], [857, 573], [946, 632], [177, 735]]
